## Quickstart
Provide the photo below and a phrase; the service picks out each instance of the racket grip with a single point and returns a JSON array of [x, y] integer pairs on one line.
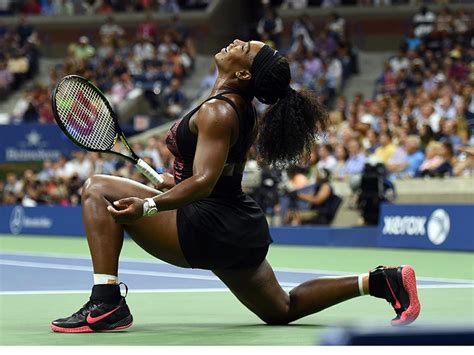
[[149, 172]]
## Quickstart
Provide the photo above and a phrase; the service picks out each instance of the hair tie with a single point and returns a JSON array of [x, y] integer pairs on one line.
[[265, 59]]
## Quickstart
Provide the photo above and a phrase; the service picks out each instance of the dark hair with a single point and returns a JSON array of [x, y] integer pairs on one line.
[[292, 121]]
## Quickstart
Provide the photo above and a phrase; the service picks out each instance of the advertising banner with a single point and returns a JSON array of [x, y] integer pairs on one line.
[[43, 220], [435, 227], [33, 142], [447, 227]]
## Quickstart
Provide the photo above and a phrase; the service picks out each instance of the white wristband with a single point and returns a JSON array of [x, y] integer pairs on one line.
[[360, 282], [149, 207]]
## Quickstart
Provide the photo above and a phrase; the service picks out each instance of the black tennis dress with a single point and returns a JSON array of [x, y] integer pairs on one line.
[[226, 230]]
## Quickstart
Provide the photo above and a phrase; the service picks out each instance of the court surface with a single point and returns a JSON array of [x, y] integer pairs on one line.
[[46, 278]]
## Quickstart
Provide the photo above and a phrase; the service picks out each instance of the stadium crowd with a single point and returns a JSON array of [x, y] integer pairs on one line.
[[320, 60], [154, 63], [19, 56], [419, 122], [91, 7]]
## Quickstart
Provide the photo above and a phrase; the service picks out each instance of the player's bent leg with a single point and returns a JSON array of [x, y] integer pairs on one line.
[[157, 235], [106, 309]]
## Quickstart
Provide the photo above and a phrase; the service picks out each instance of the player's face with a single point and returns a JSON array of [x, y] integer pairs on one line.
[[238, 55]]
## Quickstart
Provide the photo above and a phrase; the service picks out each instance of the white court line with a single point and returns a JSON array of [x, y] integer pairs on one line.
[[286, 286], [164, 290], [277, 269], [79, 257], [167, 274], [89, 269], [122, 271]]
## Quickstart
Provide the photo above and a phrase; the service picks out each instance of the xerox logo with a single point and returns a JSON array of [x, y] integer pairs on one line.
[[436, 227], [410, 225]]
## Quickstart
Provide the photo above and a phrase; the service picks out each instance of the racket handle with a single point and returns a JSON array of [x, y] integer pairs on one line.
[[149, 172]]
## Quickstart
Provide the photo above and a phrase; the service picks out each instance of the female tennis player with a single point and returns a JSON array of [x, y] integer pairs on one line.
[[205, 220]]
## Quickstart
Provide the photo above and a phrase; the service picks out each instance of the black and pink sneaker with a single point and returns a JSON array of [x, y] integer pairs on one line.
[[397, 285], [98, 315]]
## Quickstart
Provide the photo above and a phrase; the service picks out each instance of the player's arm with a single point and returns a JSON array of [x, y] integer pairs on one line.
[[215, 124]]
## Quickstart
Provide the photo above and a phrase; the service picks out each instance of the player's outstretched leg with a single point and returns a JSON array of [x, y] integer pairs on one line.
[[259, 290], [397, 285]]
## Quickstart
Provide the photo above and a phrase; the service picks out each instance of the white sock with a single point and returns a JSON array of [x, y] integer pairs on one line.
[[104, 279], [361, 284]]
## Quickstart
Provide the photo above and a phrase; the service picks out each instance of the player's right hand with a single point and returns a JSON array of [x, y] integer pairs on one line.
[[168, 182]]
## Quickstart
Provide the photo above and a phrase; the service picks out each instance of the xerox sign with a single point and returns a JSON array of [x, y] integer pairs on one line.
[[426, 226]]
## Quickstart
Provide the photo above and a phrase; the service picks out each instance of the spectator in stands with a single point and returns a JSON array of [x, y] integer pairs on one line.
[[31, 7], [91, 7], [174, 99], [12, 185], [356, 161], [82, 50], [302, 26], [325, 45], [336, 27], [424, 22], [147, 28], [326, 159], [334, 75], [178, 30], [47, 7], [23, 30], [144, 49], [210, 78], [465, 162], [271, 26], [461, 22], [120, 89], [433, 163], [169, 6], [6, 79], [411, 161], [387, 147], [111, 29], [64, 7], [323, 202], [411, 41], [80, 165], [399, 61], [444, 20], [294, 4], [371, 141], [341, 155]]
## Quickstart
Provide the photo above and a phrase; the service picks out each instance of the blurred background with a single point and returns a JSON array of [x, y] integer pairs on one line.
[[396, 76]]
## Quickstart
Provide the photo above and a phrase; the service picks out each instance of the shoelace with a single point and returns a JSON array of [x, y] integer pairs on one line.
[[89, 306], [85, 309]]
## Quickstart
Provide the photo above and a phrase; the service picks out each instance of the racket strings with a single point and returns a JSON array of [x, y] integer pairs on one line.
[[85, 115]]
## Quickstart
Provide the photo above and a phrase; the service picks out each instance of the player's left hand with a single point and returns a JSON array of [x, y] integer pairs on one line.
[[127, 210]]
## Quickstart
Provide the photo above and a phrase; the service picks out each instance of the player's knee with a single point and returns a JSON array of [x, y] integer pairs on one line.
[[93, 187], [276, 319], [279, 316]]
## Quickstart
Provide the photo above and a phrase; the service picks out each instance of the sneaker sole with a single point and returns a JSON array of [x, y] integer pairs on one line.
[[86, 329], [409, 283]]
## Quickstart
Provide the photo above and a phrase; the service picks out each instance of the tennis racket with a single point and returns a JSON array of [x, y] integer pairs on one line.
[[86, 117]]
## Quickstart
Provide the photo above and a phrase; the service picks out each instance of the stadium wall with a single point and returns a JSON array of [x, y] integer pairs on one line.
[[436, 227]]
